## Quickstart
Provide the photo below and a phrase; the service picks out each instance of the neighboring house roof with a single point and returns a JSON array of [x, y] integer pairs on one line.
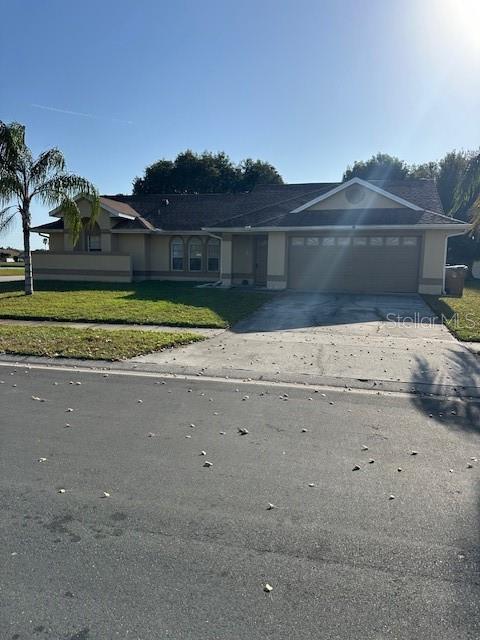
[[8, 251], [272, 206]]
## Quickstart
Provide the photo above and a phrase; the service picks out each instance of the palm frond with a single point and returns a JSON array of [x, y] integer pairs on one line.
[[7, 217], [64, 184], [14, 153], [10, 187], [72, 218], [47, 162], [468, 190], [475, 219], [64, 187]]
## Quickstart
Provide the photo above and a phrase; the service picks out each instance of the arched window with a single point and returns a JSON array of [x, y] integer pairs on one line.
[[93, 238], [195, 254], [213, 254], [176, 254]]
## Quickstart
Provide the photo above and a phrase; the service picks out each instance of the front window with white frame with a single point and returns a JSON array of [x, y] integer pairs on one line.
[[176, 253], [195, 254], [213, 254]]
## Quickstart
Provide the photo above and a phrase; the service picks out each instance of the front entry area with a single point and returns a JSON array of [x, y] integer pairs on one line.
[[260, 257], [373, 263]]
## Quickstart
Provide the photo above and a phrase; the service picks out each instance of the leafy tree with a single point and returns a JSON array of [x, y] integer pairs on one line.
[[24, 178], [451, 169], [457, 175], [254, 172], [204, 173], [466, 206], [448, 173], [379, 167], [156, 178], [425, 170]]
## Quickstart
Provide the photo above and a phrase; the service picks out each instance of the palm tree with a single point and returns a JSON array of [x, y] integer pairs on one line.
[[467, 192], [24, 179]]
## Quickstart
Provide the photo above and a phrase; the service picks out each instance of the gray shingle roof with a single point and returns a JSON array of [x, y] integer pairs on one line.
[[360, 217], [49, 226], [422, 192], [271, 205]]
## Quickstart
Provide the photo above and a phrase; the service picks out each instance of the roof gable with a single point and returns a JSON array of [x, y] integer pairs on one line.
[[365, 185]]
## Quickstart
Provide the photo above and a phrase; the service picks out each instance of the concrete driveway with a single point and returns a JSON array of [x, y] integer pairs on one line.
[[302, 336]]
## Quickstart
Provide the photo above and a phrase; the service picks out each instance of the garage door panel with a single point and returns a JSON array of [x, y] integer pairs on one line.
[[371, 266]]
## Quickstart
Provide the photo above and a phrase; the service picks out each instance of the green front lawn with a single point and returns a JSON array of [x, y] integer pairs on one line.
[[11, 272], [89, 344], [169, 303], [460, 315]]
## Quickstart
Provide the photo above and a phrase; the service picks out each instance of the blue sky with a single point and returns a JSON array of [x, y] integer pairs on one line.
[[307, 85]]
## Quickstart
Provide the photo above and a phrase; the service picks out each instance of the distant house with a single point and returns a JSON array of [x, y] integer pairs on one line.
[[358, 236], [10, 255]]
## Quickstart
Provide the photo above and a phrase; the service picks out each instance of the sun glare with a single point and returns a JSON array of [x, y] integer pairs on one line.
[[462, 19]]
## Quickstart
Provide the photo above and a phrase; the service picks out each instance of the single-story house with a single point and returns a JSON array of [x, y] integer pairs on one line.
[[356, 236], [10, 255]]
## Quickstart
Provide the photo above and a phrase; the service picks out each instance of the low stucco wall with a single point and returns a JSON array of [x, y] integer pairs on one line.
[[82, 266]]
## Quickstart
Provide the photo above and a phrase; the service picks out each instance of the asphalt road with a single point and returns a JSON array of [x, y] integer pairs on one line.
[[182, 551]]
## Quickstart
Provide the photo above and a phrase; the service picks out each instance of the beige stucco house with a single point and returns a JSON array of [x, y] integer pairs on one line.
[[357, 236]]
